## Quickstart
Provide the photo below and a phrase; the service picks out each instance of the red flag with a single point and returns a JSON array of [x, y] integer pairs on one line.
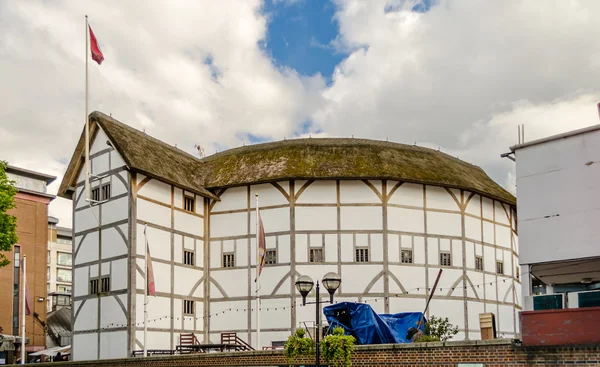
[[96, 53], [149, 273], [261, 245]]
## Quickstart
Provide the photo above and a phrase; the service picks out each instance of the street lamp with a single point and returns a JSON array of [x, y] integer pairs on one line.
[[331, 281]]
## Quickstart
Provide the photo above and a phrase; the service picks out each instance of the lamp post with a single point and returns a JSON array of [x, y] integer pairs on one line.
[[331, 281]]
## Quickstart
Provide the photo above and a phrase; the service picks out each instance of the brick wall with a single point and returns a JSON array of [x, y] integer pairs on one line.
[[561, 327], [494, 353]]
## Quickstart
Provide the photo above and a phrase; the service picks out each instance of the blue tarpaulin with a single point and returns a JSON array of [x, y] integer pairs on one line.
[[368, 327]]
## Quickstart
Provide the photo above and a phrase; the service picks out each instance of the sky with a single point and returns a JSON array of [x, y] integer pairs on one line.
[[458, 76]]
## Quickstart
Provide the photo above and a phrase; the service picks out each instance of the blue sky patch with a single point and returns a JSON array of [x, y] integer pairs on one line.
[[300, 35]]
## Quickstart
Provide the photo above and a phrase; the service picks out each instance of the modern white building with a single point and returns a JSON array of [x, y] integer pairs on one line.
[[559, 212], [385, 216], [60, 253]]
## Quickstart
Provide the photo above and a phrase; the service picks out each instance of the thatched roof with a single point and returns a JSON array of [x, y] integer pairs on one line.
[[330, 158], [141, 153]]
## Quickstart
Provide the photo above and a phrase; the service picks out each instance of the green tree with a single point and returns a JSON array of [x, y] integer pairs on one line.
[[440, 328], [337, 348], [8, 223]]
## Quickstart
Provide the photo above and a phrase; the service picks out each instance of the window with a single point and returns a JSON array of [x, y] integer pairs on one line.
[[445, 259], [105, 285], [517, 272], [48, 257], [63, 258], [188, 307], [96, 194], [105, 191], [63, 275], [63, 288], [479, 263], [271, 257], [499, 267], [93, 286], [65, 241], [406, 256], [315, 255], [228, 260], [188, 257], [17, 261], [188, 203], [362, 255]]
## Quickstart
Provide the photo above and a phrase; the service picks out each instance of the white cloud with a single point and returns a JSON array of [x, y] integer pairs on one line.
[[460, 77], [155, 75], [465, 74]]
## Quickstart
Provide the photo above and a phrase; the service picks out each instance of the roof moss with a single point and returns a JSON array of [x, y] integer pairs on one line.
[[329, 158]]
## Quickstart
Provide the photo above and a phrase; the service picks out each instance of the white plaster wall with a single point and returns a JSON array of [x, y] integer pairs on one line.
[[157, 190], [316, 218], [113, 344], [88, 316], [406, 220], [357, 192], [233, 198], [118, 277], [559, 202], [226, 225], [111, 312], [361, 217], [408, 194], [153, 213], [85, 347], [318, 192], [113, 244], [88, 248], [189, 223]]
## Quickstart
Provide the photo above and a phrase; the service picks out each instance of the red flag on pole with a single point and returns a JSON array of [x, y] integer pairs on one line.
[[95, 48], [261, 244], [149, 273]]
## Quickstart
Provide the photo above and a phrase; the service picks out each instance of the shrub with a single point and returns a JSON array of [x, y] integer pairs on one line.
[[337, 348]]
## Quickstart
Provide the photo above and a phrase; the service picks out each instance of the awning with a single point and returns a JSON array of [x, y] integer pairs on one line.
[[51, 352]]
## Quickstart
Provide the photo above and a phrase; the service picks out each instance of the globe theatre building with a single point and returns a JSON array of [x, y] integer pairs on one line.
[[385, 216]]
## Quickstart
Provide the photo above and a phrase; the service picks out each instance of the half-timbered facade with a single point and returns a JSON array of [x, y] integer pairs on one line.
[[384, 216]]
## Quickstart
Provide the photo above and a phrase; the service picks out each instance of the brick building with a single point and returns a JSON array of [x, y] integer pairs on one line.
[[31, 211]]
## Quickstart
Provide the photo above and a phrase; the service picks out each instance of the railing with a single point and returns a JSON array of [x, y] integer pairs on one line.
[[233, 339]]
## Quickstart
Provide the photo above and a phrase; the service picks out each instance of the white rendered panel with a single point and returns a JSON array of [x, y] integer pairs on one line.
[[407, 194], [113, 344], [357, 277], [316, 218], [186, 279], [357, 192], [376, 253], [302, 248], [488, 208], [506, 318], [162, 277], [444, 224], [156, 190], [118, 277], [115, 159], [439, 198], [113, 244], [156, 339], [232, 199], [503, 236], [474, 205], [267, 195], [88, 248], [473, 228], [406, 220], [85, 347], [115, 210], [111, 312], [453, 310], [88, 316], [178, 199], [232, 224], [80, 281], [362, 217], [189, 223], [153, 213], [159, 242], [227, 314], [86, 219], [488, 232], [321, 192], [274, 220], [502, 213]]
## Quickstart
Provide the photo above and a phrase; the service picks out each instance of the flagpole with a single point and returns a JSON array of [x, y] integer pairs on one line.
[[87, 126], [257, 279], [23, 300], [145, 291]]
